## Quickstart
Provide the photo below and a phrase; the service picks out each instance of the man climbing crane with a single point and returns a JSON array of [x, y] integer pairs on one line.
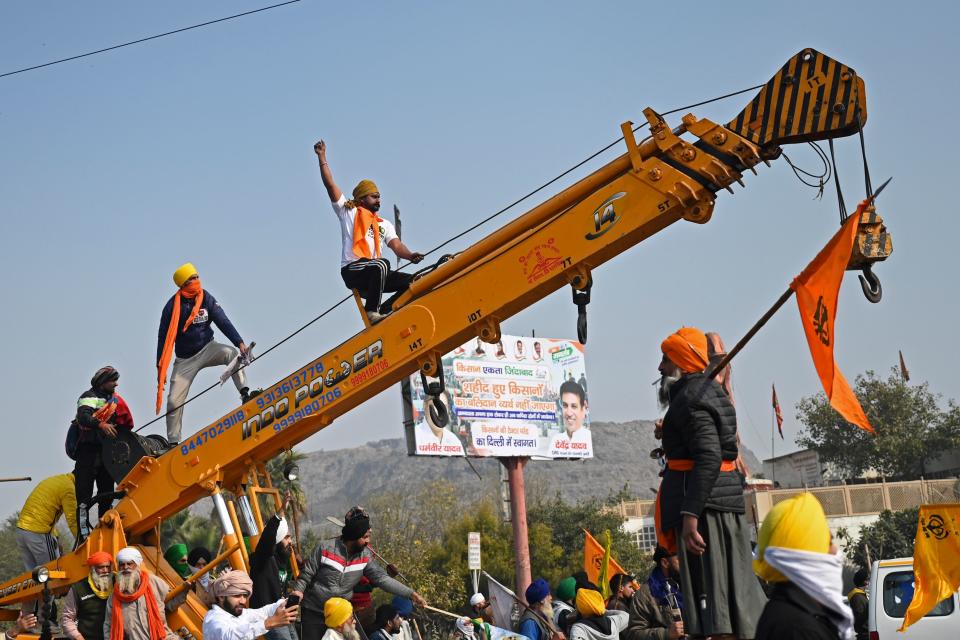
[[364, 233]]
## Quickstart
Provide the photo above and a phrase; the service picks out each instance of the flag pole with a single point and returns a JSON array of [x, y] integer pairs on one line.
[[773, 440], [753, 331]]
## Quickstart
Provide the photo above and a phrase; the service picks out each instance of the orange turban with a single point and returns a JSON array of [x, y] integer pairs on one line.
[[99, 557], [687, 348]]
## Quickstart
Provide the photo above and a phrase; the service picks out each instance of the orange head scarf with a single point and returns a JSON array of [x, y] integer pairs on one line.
[[687, 348], [156, 623], [193, 290]]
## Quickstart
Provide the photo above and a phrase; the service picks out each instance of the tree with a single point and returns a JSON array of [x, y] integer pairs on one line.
[[910, 428], [567, 522], [891, 536], [193, 531], [11, 562]]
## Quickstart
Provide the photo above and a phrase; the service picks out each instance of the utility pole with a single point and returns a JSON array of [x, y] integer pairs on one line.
[[773, 456], [518, 516]]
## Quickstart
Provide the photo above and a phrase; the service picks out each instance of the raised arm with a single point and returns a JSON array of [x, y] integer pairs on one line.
[[325, 174]]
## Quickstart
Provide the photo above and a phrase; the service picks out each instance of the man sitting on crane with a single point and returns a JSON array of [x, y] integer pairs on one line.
[[363, 234], [185, 330]]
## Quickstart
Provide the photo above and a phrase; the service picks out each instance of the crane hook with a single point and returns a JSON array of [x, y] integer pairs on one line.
[[870, 283]]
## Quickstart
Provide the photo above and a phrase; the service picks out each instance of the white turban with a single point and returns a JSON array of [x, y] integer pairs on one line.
[[282, 530], [476, 599], [130, 554]]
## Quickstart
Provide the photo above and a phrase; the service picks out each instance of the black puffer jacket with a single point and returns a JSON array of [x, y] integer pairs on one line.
[[701, 425]]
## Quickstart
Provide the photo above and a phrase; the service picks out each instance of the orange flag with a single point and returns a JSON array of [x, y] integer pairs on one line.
[[593, 553], [936, 559], [817, 289]]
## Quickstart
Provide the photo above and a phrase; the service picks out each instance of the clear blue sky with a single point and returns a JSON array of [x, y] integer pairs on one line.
[[119, 167]]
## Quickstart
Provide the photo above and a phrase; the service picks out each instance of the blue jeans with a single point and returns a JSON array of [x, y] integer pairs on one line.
[[282, 633]]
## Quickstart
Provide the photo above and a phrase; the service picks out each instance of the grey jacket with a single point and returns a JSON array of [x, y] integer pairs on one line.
[[331, 572]]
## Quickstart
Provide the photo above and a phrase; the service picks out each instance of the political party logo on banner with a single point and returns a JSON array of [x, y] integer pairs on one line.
[[521, 397]]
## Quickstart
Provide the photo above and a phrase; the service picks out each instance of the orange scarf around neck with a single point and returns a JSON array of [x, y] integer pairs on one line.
[[361, 223], [155, 621], [194, 290]]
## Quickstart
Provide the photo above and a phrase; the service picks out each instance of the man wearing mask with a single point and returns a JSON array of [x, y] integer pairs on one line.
[[85, 606], [701, 505], [176, 555], [860, 604], [231, 619], [335, 568], [100, 413], [269, 564], [795, 552], [135, 611], [186, 331]]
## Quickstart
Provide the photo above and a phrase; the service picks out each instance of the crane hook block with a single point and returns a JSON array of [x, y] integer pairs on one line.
[[581, 298]]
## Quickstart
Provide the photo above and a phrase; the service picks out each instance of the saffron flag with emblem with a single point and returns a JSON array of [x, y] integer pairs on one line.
[[593, 555], [817, 289], [776, 411], [936, 559]]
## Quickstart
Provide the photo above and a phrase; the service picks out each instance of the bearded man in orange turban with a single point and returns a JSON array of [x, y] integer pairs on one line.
[[701, 510], [363, 234]]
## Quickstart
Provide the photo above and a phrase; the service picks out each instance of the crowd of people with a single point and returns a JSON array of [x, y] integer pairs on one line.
[[705, 577]]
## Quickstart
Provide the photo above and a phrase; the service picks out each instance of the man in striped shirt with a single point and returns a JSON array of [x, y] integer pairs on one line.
[[335, 568]]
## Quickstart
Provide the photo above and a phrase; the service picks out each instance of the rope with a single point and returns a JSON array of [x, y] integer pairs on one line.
[[460, 235]]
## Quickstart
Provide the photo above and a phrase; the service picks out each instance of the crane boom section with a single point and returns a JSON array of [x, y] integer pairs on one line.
[[672, 175]]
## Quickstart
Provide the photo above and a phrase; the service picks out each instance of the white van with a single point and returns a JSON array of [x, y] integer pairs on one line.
[[891, 590]]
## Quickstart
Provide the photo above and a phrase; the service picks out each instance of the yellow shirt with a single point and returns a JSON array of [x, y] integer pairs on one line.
[[54, 496]]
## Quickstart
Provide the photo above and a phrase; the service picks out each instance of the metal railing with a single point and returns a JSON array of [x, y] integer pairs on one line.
[[837, 501]]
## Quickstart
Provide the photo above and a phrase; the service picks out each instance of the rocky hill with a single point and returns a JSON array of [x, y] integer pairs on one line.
[[335, 480]]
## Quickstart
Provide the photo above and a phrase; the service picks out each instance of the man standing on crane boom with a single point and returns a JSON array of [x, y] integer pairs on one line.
[[364, 233]]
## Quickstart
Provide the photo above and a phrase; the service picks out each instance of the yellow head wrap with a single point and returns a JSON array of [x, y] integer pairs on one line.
[[590, 603], [336, 611], [183, 272], [687, 348], [364, 188], [797, 523]]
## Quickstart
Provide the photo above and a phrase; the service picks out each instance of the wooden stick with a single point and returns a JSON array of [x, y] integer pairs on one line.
[[720, 366], [446, 613]]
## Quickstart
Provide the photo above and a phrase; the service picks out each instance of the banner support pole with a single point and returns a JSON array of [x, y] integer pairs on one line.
[[518, 516]]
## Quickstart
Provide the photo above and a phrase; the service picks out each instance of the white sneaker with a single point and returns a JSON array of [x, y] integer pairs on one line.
[[375, 316]]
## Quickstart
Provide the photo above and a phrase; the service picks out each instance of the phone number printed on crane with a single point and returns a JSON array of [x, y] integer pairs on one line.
[[217, 430], [269, 396]]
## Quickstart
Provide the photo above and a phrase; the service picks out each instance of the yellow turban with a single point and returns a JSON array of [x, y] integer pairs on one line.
[[183, 272], [590, 603], [687, 348], [364, 188], [336, 611], [797, 523]]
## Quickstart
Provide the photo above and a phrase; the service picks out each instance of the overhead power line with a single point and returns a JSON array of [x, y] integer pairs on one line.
[[159, 35]]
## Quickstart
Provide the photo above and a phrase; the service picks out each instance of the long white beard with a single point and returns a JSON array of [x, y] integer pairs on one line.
[[128, 582], [663, 391], [547, 610], [103, 583], [350, 633]]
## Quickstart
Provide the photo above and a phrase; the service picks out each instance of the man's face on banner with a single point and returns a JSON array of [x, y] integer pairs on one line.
[[574, 411]]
